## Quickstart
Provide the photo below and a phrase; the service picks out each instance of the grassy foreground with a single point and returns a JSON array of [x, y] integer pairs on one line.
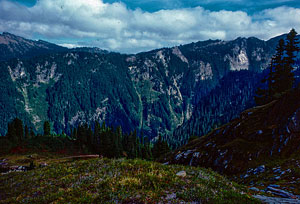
[[118, 181]]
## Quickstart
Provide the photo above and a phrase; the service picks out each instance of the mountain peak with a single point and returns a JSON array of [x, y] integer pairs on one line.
[[7, 34], [13, 46]]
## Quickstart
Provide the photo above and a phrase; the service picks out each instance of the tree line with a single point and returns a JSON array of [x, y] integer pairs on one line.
[[107, 141]]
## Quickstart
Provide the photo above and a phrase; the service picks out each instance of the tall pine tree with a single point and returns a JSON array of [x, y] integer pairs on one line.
[[47, 128], [289, 60], [160, 148], [15, 131], [280, 78], [27, 135], [276, 74]]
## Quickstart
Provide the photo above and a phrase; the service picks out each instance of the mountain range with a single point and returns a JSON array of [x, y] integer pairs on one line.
[[162, 91]]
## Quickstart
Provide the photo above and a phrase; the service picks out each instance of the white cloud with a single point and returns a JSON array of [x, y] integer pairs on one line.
[[115, 27], [69, 45]]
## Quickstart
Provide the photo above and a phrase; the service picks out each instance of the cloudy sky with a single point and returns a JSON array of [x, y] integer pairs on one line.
[[131, 26]]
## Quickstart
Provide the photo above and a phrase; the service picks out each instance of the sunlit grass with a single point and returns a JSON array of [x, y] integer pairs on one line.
[[118, 181]]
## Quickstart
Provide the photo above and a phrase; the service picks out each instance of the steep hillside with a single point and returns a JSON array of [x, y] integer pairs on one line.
[[153, 92], [233, 94], [257, 136], [67, 89], [12, 46]]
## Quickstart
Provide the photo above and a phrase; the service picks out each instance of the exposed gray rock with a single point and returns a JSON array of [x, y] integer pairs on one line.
[[259, 169], [272, 200], [279, 192], [274, 186], [277, 170], [43, 165], [254, 189], [171, 196], [181, 174], [277, 178]]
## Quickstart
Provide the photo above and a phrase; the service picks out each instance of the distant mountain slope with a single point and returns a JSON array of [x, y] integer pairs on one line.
[[259, 134], [89, 49], [234, 93], [182, 76], [153, 92], [68, 89], [12, 46]]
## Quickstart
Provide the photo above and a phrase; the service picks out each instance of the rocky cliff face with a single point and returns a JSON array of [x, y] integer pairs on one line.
[[154, 92], [259, 134], [171, 81]]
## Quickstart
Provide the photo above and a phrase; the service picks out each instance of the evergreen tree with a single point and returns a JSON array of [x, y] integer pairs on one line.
[[15, 130], [276, 74], [132, 153], [80, 137], [280, 77], [115, 146], [273, 79], [74, 134], [84, 138], [146, 149], [118, 141], [19, 129], [47, 130], [11, 132], [105, 144], [289, 60], [103, 127], [32, 135], [96, 137], [27, 135], [89, 138], [160, 148]]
